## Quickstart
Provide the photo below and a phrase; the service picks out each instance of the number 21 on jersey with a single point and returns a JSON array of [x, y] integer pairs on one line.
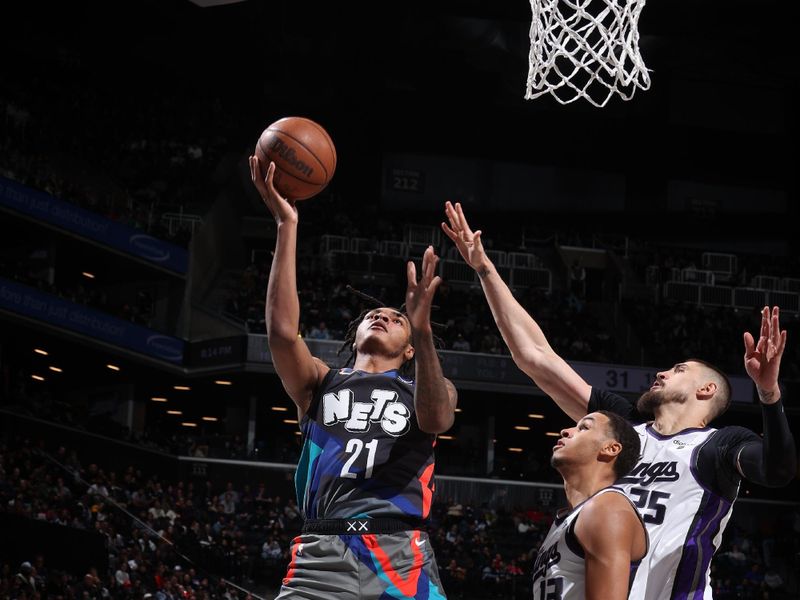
[[354, 448]]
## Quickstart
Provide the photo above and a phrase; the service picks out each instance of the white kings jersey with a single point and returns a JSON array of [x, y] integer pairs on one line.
[[559, 572], [684, 486]]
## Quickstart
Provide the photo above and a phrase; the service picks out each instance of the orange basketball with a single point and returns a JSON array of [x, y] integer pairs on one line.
[[303, 153]]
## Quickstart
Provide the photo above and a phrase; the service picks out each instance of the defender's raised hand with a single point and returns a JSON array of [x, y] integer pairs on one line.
[[762, 358], [282, 209], [419, 295], [468, 242]]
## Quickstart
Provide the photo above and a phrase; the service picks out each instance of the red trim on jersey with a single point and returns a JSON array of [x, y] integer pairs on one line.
[[407, 587], [290, 572], [427, 490]]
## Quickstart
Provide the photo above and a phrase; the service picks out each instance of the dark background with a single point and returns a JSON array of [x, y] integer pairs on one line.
[[442, 79], [433, 79]]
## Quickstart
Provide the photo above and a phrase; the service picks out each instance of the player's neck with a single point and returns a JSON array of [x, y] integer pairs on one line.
[[581, 483], [376, 363], [674, 418]]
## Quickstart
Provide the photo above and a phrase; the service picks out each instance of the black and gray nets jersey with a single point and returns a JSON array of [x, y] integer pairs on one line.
[[363, 453]]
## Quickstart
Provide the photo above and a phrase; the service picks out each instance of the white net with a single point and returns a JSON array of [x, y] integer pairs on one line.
[[585, 49]]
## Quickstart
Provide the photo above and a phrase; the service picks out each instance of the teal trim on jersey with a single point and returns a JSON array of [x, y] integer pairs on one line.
[[391, 589], [434, 593], [308, 458]]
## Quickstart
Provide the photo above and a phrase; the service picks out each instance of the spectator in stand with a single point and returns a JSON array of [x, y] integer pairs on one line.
[[460, 344], [26, 578], [320, 331]]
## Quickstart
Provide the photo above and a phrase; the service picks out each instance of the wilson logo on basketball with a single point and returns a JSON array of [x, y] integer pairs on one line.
[[288, 154]]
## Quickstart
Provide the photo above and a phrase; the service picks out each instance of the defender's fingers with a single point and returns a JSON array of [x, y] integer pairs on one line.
[[411, 274], [462, 218], [749, 344], [452, 216], [449, 232]]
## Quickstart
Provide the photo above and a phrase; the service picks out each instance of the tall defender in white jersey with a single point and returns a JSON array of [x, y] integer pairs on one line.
[[689, 474], [597, 540]]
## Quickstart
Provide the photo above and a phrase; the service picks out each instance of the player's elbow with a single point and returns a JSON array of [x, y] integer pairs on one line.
[[435, 424], [279, 334], [533, 360]]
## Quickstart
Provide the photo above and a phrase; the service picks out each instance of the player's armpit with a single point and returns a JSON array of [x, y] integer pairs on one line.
[[299, 372]]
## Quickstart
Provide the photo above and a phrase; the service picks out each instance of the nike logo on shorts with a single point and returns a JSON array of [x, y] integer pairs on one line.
[[419, 542]]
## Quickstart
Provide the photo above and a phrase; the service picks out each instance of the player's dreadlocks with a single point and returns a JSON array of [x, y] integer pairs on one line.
[[407, 368]]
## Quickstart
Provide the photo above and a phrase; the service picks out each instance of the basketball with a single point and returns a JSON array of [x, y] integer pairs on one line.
[[303, 153]]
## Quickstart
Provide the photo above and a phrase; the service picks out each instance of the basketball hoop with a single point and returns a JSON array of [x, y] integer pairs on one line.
[[585, 49]]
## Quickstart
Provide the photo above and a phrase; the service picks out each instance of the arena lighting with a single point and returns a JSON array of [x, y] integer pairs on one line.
[[522, 428], [37, 377], [279, 408], [515, 449], [113, 367], [290, 421], [459, 410], [55, 369], [211, 419], [182, 388], [445, 437], [534, 416], [223, 382], [189, 424], [174, 412], [40, 351], [553, 434], [88, 275], [298, 433], [158, 399]]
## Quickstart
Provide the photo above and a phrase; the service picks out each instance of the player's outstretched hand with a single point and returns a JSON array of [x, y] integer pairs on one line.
[[419, 294], [762, 358], [282, 209], [468, 242]]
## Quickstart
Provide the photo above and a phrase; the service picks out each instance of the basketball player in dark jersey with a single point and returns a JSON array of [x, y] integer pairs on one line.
[[688, 475], [365, 476]]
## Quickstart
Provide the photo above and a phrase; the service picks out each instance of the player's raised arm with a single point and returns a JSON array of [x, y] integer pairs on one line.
[[435, 396], [771, 461], [298, 370], [529, 347]]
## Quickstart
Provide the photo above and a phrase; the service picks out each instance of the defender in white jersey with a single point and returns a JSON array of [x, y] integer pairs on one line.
[[596, 542], [689, 475]]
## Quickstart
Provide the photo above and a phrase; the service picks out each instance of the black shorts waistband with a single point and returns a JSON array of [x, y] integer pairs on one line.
[[356, 526]]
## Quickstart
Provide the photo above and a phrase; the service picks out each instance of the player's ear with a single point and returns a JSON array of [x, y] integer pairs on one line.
[[707, 390], [611, 448], [408, 353]]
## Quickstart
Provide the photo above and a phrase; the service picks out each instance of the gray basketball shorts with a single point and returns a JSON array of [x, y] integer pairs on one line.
[[376, 566]]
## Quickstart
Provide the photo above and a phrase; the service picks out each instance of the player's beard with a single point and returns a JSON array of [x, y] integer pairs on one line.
[[651, 400]]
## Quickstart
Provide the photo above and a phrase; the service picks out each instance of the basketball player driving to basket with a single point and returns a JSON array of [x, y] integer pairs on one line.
[[365, 476], [689, 473]]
